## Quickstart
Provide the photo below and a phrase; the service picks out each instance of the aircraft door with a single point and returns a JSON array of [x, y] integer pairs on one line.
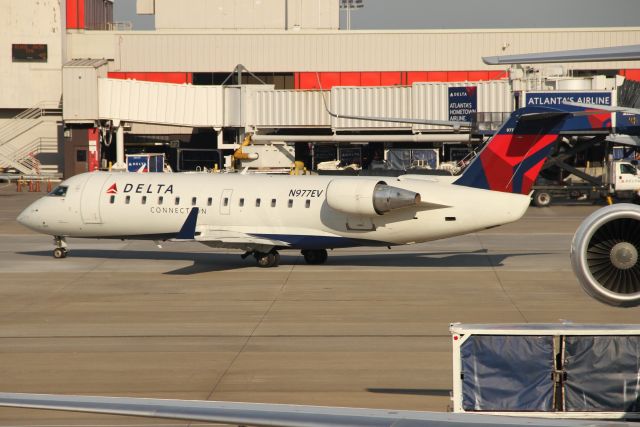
[[225, 202], [90, 199]]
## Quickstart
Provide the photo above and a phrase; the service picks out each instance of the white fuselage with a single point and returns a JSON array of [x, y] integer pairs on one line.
[[291, 209]]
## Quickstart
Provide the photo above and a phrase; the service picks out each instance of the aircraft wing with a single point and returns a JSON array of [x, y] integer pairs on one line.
[[617, 53], [222, 238], [234, 239], [268, 415]]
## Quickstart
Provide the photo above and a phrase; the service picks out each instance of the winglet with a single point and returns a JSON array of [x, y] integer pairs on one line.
[[188, 230]]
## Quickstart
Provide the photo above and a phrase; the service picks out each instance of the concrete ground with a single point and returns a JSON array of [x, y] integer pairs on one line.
[[368, 329]]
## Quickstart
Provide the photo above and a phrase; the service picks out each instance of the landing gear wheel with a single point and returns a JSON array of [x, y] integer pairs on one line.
[[61, 247], [541, 199], [315, 256], [59, 253], [265, 260]]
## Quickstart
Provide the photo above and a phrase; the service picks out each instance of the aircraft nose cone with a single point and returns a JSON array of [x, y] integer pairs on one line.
[[23, 218], [28, 217]]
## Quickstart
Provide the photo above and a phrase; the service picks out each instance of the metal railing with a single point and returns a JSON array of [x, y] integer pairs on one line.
[[22, 156], [23, 159], [27, 120]]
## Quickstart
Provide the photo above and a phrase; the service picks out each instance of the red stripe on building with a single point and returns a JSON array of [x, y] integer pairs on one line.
[[392, 78], [81, 17], [72, 14], [370, 79], [178, 78], [631, 74], [308, 80]]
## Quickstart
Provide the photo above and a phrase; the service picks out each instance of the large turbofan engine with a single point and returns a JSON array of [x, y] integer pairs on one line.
[[368, 197], [604, 255]]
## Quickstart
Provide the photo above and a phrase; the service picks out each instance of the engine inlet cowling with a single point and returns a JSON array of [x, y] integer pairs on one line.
[[604, 255], [368, 197]]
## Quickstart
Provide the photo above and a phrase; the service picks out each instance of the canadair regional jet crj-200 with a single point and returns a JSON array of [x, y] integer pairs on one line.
[[262, 214]]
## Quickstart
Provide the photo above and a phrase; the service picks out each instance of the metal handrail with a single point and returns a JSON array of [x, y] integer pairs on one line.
[[27, 119], [23, 158]]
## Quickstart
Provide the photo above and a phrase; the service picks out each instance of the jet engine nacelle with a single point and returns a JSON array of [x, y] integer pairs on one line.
[[604, 255], [368, 197]]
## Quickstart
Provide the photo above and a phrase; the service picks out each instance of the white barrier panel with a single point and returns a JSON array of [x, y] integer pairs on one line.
[[383, 101], [289, 108]]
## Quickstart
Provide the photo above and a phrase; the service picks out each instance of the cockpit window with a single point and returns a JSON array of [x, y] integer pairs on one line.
[[59, 191]]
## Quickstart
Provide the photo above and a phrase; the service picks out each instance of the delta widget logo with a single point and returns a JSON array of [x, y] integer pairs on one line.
[[113, 189]]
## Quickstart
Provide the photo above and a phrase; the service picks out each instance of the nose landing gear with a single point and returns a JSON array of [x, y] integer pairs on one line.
[[61, 247]]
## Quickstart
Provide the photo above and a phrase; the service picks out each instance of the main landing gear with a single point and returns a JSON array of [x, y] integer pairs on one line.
[[269, 259], [265, 259], [61, 247], [272, 258], [315, 256]]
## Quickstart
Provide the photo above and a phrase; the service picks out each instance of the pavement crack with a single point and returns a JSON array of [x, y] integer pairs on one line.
[[498, 279], [255, 328]]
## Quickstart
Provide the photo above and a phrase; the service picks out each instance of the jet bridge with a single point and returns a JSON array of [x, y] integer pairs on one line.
[[90, 96]]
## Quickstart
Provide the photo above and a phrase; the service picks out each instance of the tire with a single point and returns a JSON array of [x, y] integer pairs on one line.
[[315, 256], [541, 199], [59, 253], [271, 259]]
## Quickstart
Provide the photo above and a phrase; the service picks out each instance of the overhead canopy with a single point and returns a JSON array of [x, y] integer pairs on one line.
[[617, 53]]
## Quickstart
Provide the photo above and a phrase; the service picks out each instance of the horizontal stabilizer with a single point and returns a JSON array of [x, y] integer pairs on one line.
[[608, 108], [628, 140]]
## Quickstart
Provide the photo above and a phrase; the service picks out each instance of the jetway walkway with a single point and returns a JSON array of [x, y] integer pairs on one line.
[[261, 108]]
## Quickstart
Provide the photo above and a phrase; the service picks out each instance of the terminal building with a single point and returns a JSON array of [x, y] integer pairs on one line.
[[79, 90]]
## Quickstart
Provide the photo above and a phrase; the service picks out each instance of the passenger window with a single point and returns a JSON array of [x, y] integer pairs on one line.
[[307, 204], [273, 203], [290, 203], [127, 200], [194, 200], [177, 200], [59, 191], [112, 199], [257, 203], [209, 201], [160, 200], [226, 201], [144, 200], [241, 202]]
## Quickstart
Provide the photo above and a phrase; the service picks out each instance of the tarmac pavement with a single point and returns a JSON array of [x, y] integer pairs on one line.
[[368, 329]]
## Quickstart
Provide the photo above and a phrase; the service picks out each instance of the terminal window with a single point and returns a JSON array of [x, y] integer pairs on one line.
[[29, 52]]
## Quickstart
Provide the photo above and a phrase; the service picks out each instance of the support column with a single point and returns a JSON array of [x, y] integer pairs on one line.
[[120, 164]]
